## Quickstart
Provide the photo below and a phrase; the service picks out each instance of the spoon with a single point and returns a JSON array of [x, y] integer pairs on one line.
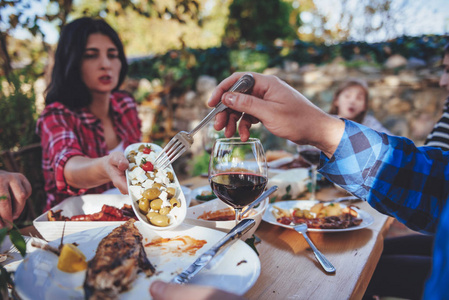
[[327, 266]]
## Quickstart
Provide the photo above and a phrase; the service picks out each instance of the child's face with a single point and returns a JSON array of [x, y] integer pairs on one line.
[[351, 102], [100, 65]]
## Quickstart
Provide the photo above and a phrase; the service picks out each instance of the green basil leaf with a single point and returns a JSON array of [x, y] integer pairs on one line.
[[3, 233], [18, 241], [4, 279], [251, 242]]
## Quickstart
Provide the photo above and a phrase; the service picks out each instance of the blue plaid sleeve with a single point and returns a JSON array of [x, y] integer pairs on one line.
[[397, 178]]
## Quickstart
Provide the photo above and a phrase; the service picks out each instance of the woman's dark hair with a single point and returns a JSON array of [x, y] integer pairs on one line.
[[349, 83], [66, 84]]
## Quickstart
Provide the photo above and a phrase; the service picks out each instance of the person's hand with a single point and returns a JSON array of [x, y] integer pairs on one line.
[[14, 190], [115, 166], [85, 173], [284, 112], [160, 290]]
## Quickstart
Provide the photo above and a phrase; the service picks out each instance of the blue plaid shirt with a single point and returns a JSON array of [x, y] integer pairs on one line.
[[401, 180]]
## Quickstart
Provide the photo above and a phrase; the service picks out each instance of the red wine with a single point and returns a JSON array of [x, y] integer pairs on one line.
[[311, 156], [237, 189]]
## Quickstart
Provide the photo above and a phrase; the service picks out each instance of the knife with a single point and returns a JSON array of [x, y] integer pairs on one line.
[[234, 235], [261, 197]]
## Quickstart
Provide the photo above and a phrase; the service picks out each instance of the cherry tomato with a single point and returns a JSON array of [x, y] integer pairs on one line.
[[146, 150], [147, 166]]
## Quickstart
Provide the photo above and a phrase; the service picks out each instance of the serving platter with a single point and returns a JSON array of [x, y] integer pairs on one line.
[[78, 205], [268, 216], [38, 277], [177, 214]]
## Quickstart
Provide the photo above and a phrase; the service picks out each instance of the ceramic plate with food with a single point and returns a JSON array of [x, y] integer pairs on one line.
[[278, 212], [218, 215], [169, 251], [203, 194], [81, 208]]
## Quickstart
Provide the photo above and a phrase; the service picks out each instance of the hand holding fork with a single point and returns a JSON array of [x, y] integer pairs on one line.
[[183, 140]]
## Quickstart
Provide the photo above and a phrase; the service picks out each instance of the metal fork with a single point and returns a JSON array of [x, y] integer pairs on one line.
[[325, 263], [182, 141], [12, 249]]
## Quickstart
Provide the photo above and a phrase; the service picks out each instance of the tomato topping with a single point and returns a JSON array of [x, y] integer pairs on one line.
[[147, 166], [147, 150]]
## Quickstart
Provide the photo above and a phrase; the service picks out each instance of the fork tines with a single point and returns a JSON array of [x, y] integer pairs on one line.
[[174, 149]]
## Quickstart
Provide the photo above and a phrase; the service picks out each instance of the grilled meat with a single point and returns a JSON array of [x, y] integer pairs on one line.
[[119, 258]]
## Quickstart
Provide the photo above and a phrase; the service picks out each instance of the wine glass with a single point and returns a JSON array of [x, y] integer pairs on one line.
[[311, 155], [238, 172]]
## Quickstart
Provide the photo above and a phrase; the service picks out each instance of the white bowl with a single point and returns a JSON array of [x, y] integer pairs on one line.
[[195, 212], [176, 215], [78, 205]]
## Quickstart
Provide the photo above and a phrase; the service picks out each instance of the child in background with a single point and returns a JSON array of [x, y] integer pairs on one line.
[[351, 102]]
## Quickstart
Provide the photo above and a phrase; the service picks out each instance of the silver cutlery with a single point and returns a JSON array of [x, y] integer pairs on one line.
[[183, 140], [325, 263], [234, 235], [260, 198]]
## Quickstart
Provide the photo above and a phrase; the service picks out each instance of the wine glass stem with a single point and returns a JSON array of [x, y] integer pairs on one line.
[[238, 215], [313, 182]]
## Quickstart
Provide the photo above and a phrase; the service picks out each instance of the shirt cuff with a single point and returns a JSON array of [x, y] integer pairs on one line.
[[353, 159]]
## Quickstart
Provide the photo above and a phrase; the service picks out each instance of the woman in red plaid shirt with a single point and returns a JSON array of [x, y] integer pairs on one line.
[[87, 122]]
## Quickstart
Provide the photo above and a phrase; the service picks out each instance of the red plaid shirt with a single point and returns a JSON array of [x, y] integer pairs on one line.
[[66, 133]]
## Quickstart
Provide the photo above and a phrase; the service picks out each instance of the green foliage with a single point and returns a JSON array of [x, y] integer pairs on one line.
[[200, 164], [18, 241], [287, 194], [252, 243], [181, 69], [259, 21], [249, 60], [17, 130], [18, 121]]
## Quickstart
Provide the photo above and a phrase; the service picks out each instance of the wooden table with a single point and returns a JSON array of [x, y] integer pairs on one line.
[[289, 268]]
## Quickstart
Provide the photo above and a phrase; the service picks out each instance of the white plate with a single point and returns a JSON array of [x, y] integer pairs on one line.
[[275, 164], [14, 257], [39, 278], [177, 214], [198, 191], [307, 204], [215, 205], [78, 205]]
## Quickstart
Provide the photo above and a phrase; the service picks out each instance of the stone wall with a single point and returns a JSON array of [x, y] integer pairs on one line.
[[406, 99]]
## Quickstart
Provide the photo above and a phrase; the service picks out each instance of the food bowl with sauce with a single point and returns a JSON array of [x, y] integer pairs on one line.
[[156, 194], [216, 214]]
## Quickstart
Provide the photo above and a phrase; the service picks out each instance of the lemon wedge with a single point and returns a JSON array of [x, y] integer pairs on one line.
[[71, 259]]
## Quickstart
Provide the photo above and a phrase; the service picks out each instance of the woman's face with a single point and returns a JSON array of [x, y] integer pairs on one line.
[[351, 102], [100, 65], [444, 80]]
